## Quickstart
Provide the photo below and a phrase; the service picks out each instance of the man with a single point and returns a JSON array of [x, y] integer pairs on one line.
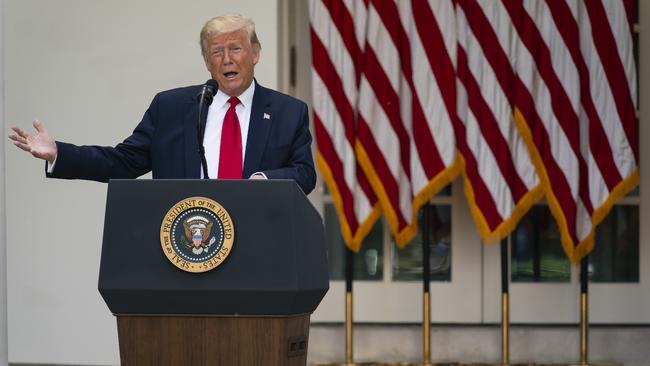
[[251, 131]]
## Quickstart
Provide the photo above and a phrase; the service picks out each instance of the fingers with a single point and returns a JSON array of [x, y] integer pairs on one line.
[[23, 146], [19, 140], [40, 144], [38, 125], [26, 141], [20, 132], [16, 137]]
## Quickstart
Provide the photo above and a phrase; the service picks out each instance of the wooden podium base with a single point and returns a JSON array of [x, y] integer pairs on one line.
[[213, 340]]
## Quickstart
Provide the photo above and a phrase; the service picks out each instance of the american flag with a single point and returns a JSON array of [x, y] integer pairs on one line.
[[565, 76], [406, 144], [537, 97], [337, 37], [500, 181]]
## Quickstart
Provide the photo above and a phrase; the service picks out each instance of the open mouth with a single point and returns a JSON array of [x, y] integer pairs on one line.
[[230, 74]]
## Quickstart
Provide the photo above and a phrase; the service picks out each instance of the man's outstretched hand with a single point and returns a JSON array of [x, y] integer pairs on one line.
[[40, 144]]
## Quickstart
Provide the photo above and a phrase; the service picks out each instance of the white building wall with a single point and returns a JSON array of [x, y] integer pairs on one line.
[[3, 236]]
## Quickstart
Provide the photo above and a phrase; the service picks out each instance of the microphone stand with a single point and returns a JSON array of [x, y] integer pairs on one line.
[[201, 132], [205, 99]]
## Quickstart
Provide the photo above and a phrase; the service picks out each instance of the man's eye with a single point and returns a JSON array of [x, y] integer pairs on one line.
[[217, 52]]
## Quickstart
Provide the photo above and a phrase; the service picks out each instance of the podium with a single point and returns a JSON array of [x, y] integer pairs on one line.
[[252, 309]]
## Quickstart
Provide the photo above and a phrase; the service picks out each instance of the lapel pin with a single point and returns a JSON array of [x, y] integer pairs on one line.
[[267, 116]]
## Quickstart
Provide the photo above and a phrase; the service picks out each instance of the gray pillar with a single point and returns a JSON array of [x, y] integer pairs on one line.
[[3, 219]]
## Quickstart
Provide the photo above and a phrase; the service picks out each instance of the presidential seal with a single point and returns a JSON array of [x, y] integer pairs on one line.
[[197, 234]]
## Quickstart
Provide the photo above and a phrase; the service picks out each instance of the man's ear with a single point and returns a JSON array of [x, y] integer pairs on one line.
[[256, 55]]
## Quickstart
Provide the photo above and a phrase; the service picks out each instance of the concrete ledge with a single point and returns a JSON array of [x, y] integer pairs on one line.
[[481, 344]]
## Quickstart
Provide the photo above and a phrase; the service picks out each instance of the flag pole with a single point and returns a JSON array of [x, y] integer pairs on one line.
[[505, 305], [584, 311], [349, 275], [426, 297]]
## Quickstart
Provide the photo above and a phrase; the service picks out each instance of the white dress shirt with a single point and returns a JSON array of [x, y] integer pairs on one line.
[[214, 123]]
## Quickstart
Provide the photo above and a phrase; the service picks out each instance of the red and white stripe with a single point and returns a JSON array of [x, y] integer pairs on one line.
[[500, 180], [574, 90], [406, 143], [538, 97], [607, 49], [337, 33]]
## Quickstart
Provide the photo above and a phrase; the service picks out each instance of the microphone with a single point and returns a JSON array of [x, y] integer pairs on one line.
[[204, 97], [208, 91]]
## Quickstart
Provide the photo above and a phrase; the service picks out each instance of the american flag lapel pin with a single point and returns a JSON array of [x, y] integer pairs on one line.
[[267, 116]]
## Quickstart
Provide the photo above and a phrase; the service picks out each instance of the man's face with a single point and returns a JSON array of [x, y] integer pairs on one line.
[[231, 59]]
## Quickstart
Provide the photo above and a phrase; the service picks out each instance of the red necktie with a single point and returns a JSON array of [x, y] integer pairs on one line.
[[230, 153]]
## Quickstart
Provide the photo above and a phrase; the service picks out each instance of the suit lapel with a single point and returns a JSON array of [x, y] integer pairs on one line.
[[258, 130], [192, 161]]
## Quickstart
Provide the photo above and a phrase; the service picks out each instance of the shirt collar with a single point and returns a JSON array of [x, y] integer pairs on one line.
[[245, 99]]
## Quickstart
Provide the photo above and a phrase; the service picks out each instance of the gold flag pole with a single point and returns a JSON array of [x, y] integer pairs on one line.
[[349, 276], [505, 305], [426, 277], [349, 359], [583, 330], [584, 311], [426, 330]]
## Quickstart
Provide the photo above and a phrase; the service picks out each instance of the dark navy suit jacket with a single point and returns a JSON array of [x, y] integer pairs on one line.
[[165, 142]]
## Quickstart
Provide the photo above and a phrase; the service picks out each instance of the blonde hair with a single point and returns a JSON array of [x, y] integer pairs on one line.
[[227, 24]]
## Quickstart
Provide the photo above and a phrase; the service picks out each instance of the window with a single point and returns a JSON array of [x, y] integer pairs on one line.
[[536, 250], [368, 263], [537, 254], [615, 257], [407, 262]]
